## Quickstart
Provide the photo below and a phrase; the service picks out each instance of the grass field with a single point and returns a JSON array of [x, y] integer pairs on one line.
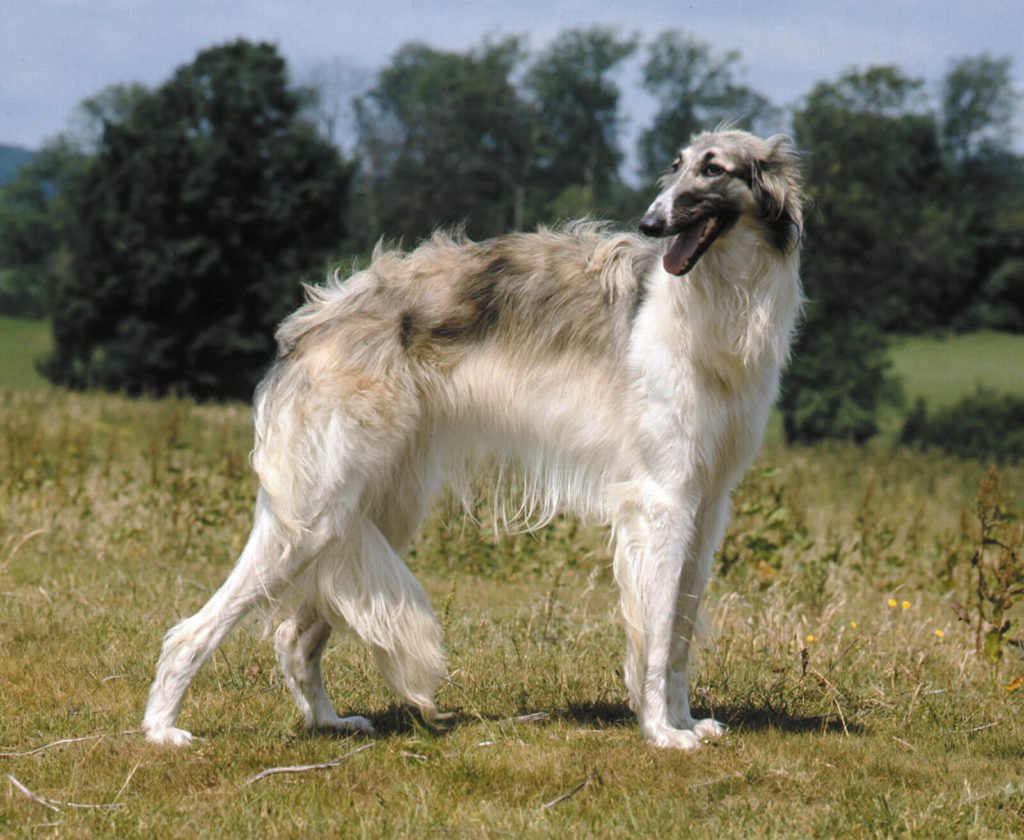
[[856, 702], [944, 370], [22, 343]]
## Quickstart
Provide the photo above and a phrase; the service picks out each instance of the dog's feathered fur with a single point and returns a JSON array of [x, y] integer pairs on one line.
[[621, 391]]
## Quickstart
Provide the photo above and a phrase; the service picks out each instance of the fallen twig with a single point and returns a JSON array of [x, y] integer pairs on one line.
[[533, 717], [565, 796], [303, 768], [63, 741], [978, 728], [734, 775], [35, 797], [54, 804], [415, 756], [906, 744]]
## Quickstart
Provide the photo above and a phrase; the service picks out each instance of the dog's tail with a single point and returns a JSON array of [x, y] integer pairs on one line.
[[361, 583]]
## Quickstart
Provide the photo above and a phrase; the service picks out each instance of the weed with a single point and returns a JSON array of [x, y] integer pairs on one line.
[[998, 570]]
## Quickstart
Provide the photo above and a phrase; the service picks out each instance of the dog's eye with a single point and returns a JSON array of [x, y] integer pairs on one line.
[[676, 164], [713, 170]]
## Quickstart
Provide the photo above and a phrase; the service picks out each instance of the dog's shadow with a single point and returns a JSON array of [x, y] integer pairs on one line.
[[751, 718], [399, 720], [737, 718]]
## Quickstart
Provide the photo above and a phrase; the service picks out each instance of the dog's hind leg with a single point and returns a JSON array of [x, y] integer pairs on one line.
[[267, 564], [299, 643], [364, 585], [301, 639]]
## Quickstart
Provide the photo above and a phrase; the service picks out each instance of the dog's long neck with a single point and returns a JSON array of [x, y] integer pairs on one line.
[[736, 311]]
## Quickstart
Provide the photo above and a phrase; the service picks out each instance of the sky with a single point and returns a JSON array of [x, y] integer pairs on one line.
[[55, 53]]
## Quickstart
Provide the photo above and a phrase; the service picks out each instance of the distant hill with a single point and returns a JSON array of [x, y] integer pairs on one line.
[[11, 159]]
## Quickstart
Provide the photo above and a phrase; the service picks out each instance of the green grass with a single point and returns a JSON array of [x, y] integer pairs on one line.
[[22, 343], [945, 370], [848, 717]]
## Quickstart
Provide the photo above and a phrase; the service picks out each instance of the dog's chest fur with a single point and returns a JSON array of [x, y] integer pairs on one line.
[[704, 405]]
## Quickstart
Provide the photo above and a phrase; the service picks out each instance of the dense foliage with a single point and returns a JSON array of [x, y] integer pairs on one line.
[[913, 226], [985, 426], [195, 221], [167, 232], [35, 227], [442, 140]]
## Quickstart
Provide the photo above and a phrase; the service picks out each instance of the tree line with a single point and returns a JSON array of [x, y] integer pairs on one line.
[[170, 228]]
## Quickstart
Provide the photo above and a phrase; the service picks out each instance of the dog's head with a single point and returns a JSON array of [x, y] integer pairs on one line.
[[719, 179]]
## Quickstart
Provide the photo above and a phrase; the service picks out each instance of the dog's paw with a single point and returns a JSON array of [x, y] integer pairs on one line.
[[435, 719], [169, 736], [442, 721], [708, 729], [347, 725], [667, 737]]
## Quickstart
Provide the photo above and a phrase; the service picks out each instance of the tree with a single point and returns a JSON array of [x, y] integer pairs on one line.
[[35, 207], [883, 235], [114, 104], [576, 104], [837, 382], [696, 90], [978, 105], [876, 257], [443, 141], [35, 223], [206, 204]]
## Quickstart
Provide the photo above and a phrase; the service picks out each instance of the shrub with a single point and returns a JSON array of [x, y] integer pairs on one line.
[[986, 425], [837, 382], [999, 304]]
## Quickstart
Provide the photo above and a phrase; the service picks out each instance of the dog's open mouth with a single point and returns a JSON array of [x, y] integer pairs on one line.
[[690, 245]]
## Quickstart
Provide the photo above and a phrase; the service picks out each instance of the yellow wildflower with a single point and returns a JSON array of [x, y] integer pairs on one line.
[[892, 602], [939, 633], [905, 605]]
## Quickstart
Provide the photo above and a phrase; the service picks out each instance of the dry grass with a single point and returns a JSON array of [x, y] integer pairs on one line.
[[848, 716]]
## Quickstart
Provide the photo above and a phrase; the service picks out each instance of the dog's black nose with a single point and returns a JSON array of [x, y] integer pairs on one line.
[[652, 225]]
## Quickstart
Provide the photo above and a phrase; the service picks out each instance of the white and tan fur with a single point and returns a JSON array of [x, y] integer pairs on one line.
[[622, 392]]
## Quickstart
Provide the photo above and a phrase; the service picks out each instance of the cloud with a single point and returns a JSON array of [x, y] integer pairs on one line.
[[54, 53]]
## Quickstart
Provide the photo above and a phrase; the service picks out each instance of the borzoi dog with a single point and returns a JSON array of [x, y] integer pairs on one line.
[[628, 377]]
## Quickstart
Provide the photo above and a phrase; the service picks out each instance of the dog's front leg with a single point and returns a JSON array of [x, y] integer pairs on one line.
[[657, 544], [711, 522]]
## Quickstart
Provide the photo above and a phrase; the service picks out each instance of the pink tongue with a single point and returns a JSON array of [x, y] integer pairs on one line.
[[682, 249]]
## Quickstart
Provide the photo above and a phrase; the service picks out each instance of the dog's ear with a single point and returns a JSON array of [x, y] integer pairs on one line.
[[775, 180]]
